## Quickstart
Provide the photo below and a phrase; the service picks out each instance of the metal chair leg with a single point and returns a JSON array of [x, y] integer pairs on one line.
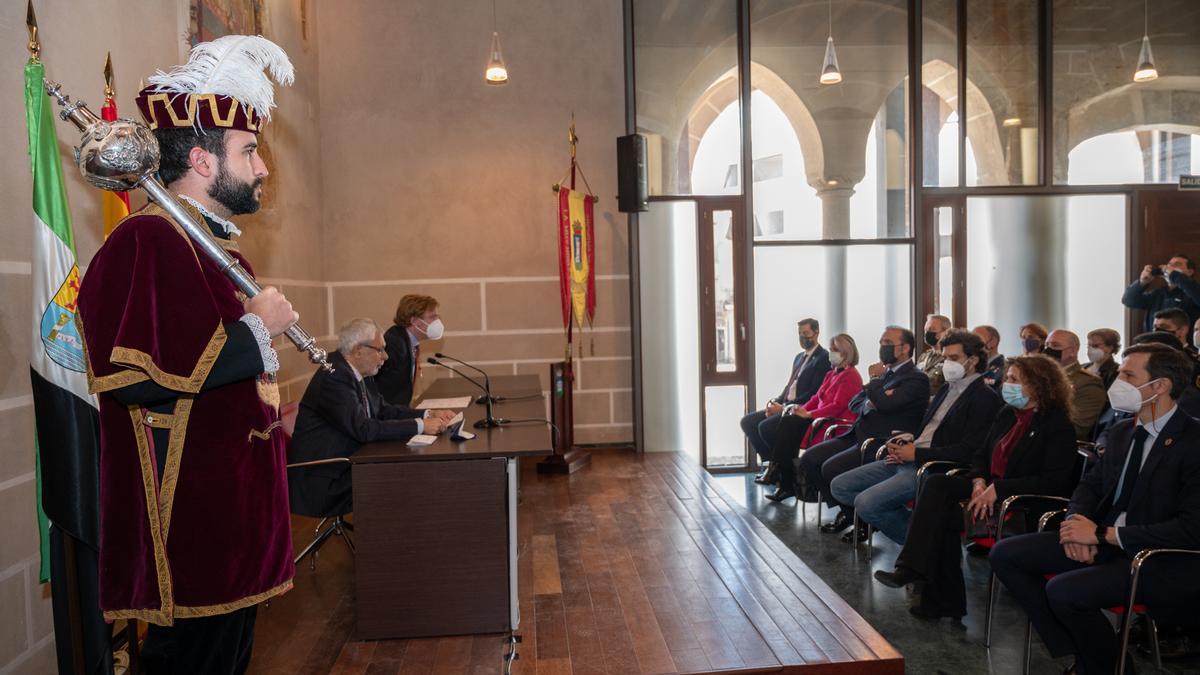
[[820, 505], [1028, 646], [1154, 644], [315, 544], [991, 607]]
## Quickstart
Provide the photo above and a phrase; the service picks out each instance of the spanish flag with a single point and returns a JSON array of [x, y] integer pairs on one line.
[[116, 204]]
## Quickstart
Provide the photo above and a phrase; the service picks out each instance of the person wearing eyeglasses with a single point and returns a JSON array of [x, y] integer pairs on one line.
[[342, 410]]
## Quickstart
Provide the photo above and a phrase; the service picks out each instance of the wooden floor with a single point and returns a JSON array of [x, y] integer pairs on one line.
[[629, 566]]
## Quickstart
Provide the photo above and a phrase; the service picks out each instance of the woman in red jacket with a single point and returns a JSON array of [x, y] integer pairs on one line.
[[831, 400]]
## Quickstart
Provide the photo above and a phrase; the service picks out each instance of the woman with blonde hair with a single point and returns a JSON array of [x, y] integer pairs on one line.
[[832, 399]]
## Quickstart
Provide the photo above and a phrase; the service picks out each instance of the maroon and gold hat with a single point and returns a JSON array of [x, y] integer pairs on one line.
[[222, 86]]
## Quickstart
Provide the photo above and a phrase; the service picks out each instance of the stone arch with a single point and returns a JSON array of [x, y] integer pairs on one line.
[[725, 91], [942, 79]]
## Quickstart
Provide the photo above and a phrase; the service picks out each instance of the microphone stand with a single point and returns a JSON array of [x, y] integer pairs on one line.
[[489, 421], [487, 382]]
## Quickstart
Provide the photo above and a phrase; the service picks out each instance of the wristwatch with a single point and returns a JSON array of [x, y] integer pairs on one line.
[[1101, 532]]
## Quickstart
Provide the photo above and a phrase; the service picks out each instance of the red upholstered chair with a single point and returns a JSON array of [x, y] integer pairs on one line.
[[338, 526]]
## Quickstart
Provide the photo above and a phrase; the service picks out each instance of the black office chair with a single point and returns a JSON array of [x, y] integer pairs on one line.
[[335, 516]]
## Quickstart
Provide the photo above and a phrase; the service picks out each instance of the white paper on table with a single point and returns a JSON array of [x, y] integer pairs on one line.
[[457, 403], [421, 440]]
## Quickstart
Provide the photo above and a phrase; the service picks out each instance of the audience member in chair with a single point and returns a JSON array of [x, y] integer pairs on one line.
[[930, 361], [342, 410], [1176, 322], [993, 372], [1033, 338], [1028, 449], [832, 400], [953, 430], [416, 320], [1143, 493], [1103, 343], [808, 372], [1087, 398], [893, 401]]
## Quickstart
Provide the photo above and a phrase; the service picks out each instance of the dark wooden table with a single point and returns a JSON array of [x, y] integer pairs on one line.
[[435, 526]]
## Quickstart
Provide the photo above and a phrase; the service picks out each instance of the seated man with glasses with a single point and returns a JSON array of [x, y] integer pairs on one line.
[[343, 410]]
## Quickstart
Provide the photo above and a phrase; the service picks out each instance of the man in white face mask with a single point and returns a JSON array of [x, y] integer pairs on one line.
[[416, 321], [1143, 493]]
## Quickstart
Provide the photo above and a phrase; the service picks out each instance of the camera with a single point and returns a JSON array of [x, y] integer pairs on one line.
[[1156, 271]]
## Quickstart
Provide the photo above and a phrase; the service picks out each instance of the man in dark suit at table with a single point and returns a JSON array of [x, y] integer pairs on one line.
[[1143, 493], [342, 410], [808, 371], [894, 400]]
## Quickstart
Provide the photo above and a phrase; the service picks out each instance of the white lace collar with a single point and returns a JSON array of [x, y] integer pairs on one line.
[[230, 229]]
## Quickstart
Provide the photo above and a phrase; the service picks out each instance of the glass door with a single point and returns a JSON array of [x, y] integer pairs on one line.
[[945, 233], [723, 332]]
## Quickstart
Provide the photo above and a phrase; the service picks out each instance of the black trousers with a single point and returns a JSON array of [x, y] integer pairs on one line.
[[219, 644], [933, 546], [1066, 610], [760, 430], [827, 460], [789, 433]]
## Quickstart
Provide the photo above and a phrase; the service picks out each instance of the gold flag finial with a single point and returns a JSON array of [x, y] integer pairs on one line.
[[110, 92], [572, 138], [35, 45]]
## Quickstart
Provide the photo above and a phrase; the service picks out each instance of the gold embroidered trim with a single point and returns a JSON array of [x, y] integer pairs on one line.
[[166, 493], [265, 434], [157, 538], [97, 385], [158, 420], [135, 358], [160, 618], [226, 607]]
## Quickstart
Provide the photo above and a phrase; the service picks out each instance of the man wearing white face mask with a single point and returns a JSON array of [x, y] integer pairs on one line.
[[416, 320], [1143, 493], [955, 423]]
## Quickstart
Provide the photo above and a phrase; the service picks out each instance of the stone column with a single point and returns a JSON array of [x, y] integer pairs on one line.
[[835, 224]]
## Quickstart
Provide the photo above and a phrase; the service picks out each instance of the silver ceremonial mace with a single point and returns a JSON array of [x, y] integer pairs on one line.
[[123, 155]]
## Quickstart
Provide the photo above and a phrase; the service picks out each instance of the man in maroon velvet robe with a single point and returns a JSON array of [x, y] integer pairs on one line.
[[194, 528]]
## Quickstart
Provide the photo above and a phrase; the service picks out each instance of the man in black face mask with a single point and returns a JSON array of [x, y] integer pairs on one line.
[[808, 371], [893, 401], [930, 362], [1088, 397]]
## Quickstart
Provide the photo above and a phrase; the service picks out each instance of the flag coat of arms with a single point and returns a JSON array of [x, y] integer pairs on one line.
[[576, 256]]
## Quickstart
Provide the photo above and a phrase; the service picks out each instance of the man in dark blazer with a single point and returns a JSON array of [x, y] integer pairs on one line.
[[893, 401], [955, 424], [342, 410], [1143, 493], [416, 319], [808, 371], [1181, 290]]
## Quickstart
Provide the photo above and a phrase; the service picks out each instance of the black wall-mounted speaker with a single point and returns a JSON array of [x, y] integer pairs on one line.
[[633, 186]]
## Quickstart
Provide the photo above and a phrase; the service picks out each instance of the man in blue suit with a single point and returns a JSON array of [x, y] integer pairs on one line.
[[893, 401], [1143, 493], [808, 371]]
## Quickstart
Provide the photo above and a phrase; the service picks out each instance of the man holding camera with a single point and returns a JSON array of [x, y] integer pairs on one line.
[[1181, 291]]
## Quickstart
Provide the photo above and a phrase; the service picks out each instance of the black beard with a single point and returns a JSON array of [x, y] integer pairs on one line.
[[234, 195]]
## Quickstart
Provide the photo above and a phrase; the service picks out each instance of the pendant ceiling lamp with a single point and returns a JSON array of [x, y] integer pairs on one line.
[[1146, 72], [830, 74], [496, 72]]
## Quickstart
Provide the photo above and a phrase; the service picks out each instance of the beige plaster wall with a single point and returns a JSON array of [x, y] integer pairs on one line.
[[143, 36], [435, 182]]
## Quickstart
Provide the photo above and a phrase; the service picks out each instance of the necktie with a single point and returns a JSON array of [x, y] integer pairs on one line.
[[1129, 479], [791, 390], [366, 401]]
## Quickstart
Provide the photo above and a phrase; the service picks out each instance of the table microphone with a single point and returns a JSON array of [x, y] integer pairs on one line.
[[488, 421], [487, 382]]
